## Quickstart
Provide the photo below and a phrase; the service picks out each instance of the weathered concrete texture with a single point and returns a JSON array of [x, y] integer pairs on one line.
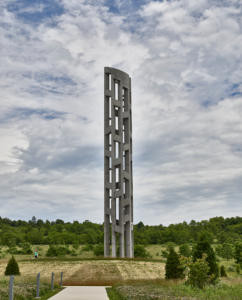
[[118, 174], [82, 293]]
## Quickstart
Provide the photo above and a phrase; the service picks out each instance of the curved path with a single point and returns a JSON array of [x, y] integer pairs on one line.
[[82, 293]]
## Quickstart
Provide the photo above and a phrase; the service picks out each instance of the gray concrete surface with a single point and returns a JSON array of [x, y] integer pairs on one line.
[[82, 293], [118, 169]]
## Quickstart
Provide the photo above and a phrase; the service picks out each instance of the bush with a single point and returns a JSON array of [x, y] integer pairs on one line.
[[12, 267], [99, 250], [231, 269], [164, 253], [237, 269], [13, 250], [52, 251], [223, 272], [197, 272], [75, 245], [203, 247], [62, 250], [184, 250], [173, 266], [238, 252], [26, 248], [170, 245], [73, 253], [87, 248], [225, 250], [140, 251]]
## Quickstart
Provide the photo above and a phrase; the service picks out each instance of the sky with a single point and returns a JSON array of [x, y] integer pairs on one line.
[[185, 61]]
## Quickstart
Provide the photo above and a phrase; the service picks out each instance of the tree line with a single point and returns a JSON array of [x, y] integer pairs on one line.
[[37, 231]]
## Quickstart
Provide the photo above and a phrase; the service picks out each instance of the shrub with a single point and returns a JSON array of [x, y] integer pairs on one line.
[[73, 253], [75, 245], [12, 267], [27, 248], [184, 250], [203, 247], [231, 269], [170, 245], [223, 272], [173, 266], [164, 253], [140, 251], [225, 251], [52, 251], [62, 250], [237, 269], [99, 250], [13, 250], [238, 252], [88, 248], [197, 272]]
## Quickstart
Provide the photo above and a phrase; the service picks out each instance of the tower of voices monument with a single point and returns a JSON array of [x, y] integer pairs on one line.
[[118, 174]]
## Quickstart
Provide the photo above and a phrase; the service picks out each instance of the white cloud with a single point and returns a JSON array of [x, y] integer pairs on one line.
[[184, 58]]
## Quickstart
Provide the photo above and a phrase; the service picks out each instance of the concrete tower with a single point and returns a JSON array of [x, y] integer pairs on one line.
[[118, 174]]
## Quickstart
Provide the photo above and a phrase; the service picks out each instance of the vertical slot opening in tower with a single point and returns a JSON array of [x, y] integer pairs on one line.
[[110, 142], [117, 208], [109, 111], [110, 176], [116, 149], [123, 160], [116, 91], [117, 174], [123, 134], [109, 82], [110, 198]]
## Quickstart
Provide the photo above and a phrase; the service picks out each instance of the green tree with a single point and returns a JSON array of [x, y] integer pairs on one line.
[[173, 266], [140, 251], [227, 251], [238, 252], [238, 269], [184, 250], [218, 250], [197, 271], [75, 245], [223, 272], [170, 245], [52, 251], [12, 267], [99, 250], [164, 253], [204, 247]]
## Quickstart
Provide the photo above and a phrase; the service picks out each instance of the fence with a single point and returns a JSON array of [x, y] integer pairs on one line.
[[11, 280]]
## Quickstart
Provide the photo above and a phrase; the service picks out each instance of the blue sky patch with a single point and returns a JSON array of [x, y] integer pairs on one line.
[[34, 11]]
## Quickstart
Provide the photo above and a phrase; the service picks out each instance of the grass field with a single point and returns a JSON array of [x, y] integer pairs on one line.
[[88, 272], [131, 276], [72, 267]]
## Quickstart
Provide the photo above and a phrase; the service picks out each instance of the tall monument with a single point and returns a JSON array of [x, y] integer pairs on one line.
[[118, 173]]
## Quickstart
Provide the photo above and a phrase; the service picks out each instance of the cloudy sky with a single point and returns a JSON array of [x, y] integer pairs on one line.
[[185, 61]]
